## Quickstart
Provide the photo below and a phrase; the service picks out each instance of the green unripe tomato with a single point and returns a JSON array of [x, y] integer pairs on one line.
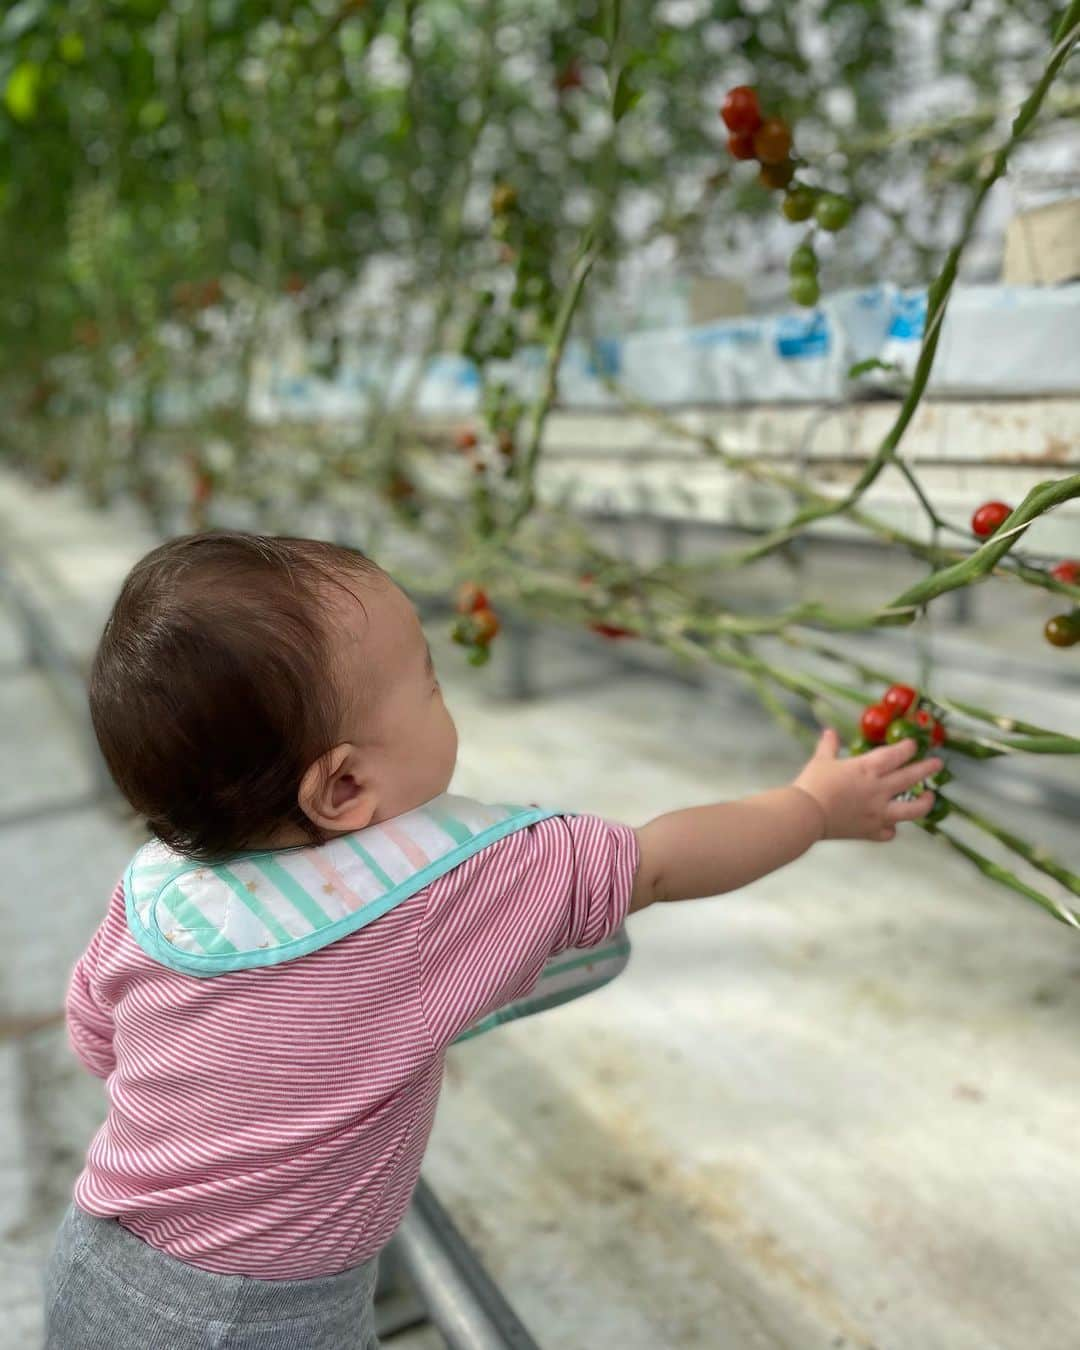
[[803, 261], [479, 656], [804, 289], [859, 746], [798, 203], [832, 212], [938, 811], [903, 730]]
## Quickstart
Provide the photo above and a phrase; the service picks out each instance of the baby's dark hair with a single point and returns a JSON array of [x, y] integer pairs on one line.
[[212, 690]]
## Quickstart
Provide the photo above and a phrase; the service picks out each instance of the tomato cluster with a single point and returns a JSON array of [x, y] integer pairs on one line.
[[903, 715], [478, 624], [900, 714], [752, 136], [769, 141]]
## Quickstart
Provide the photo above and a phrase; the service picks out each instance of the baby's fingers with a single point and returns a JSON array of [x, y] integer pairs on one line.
[[914, 809], [911, 774]]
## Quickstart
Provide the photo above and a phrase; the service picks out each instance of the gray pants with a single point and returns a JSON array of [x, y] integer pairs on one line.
[[105, 1289]]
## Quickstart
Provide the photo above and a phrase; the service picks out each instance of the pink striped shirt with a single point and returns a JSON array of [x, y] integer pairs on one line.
[[272, 1122]]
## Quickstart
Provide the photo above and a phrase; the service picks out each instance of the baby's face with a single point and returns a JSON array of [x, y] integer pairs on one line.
[[394, 707]]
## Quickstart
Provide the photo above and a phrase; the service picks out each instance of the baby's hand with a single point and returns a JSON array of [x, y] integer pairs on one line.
[[857, 796]]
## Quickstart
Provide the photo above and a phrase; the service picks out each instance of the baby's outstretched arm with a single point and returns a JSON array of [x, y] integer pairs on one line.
[[706, 850]]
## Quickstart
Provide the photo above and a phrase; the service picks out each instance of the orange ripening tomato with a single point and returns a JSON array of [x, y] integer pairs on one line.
[[465, 439], [470, 598], [486, 625], [772, 141]]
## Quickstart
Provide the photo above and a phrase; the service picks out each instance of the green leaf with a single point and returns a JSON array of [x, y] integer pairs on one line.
[[872, 363], [21, 91], [626, 96]]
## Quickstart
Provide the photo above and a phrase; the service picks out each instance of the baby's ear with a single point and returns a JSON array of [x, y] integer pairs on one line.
[[335, 794]]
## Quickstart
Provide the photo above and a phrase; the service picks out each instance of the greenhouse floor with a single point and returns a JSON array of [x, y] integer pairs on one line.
[[837, 1109]]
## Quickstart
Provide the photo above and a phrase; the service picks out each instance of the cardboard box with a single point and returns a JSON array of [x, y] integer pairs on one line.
[[1042, 246]]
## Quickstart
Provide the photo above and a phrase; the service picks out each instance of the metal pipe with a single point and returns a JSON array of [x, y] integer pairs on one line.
[[460, 1296]]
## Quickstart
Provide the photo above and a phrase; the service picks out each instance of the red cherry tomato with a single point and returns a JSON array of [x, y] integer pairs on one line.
[[874, 722], [1068, 572], [772, 141], [741, 144], [569, 77], [740, 109], [470, 598], [931, 725], [400, 488], [612, 631], [898, 698], [989, 518], [485, 625]]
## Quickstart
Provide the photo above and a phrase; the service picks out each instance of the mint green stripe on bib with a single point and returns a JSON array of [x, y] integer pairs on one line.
[[191, 918], [254, 904], [291, 889], [268, 906], [458, 831], [369, 862]]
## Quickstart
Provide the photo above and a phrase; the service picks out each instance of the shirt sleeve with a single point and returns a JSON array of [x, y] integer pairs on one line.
[[89, 1018], [490, 926]]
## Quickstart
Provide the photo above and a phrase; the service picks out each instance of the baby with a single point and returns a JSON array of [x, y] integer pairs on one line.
[[315, 919]]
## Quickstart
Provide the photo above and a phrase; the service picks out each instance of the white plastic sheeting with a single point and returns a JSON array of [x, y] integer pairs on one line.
[[996, 341]]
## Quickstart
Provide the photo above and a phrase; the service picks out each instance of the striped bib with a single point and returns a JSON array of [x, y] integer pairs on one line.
[[263, 908]]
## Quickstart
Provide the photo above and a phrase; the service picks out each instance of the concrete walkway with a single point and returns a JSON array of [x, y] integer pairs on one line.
[[837, 1109]]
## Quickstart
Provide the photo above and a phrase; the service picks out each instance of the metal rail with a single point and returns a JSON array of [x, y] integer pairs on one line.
[[461, 1298]]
